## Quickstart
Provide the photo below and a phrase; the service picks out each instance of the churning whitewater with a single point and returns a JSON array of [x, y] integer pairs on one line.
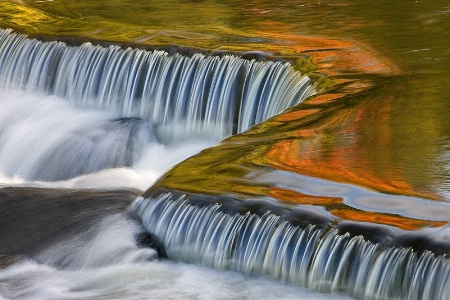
[[45, 138], [105, 262]]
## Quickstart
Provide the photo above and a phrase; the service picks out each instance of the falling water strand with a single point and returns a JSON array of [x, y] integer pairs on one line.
[[221, 95], [322, 260]]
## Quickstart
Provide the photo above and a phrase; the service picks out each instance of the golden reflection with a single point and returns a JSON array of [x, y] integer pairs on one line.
[[19, 16], [332, 136], [218, 29]]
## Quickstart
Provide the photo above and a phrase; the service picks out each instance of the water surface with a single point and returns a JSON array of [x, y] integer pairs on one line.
[[385, 130]]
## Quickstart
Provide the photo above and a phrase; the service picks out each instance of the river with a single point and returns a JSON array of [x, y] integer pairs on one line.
[[373, 147]]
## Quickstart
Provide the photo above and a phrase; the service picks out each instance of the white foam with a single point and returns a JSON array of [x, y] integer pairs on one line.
[[32, 125]]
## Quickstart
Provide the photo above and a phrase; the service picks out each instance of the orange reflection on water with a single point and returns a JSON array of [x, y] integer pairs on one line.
[[379, 218], [350, 145], [332, 57], [353, 59], [321, 99], [297, 114], [303, 158], [294, 197]]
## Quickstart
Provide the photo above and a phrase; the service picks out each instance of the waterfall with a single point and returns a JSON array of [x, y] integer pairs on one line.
[[214, 95], [312, 256], [101, 107], [121, 100]]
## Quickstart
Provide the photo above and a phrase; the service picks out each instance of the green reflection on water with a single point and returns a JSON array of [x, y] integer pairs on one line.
[[413, 105]]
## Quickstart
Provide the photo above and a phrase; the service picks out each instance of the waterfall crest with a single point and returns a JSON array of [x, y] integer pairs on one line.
[[309, 256], [219, 95]]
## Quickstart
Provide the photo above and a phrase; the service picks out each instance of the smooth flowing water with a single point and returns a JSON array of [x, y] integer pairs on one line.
[[171, 79], [59, 140]]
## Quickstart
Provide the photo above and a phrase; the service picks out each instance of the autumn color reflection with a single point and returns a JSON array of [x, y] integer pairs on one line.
[[344, 134]]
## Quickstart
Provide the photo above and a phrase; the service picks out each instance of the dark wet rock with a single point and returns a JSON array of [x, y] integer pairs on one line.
[[374, 233], [145, 239], [123, 138], [33, 218], [421, 242]]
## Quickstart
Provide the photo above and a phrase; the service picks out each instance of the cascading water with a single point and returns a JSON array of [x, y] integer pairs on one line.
[[219, 96], [311, 256], [121, 132], [153, 99]]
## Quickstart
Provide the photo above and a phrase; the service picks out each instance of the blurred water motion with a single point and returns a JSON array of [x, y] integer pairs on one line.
[[373, 148]]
